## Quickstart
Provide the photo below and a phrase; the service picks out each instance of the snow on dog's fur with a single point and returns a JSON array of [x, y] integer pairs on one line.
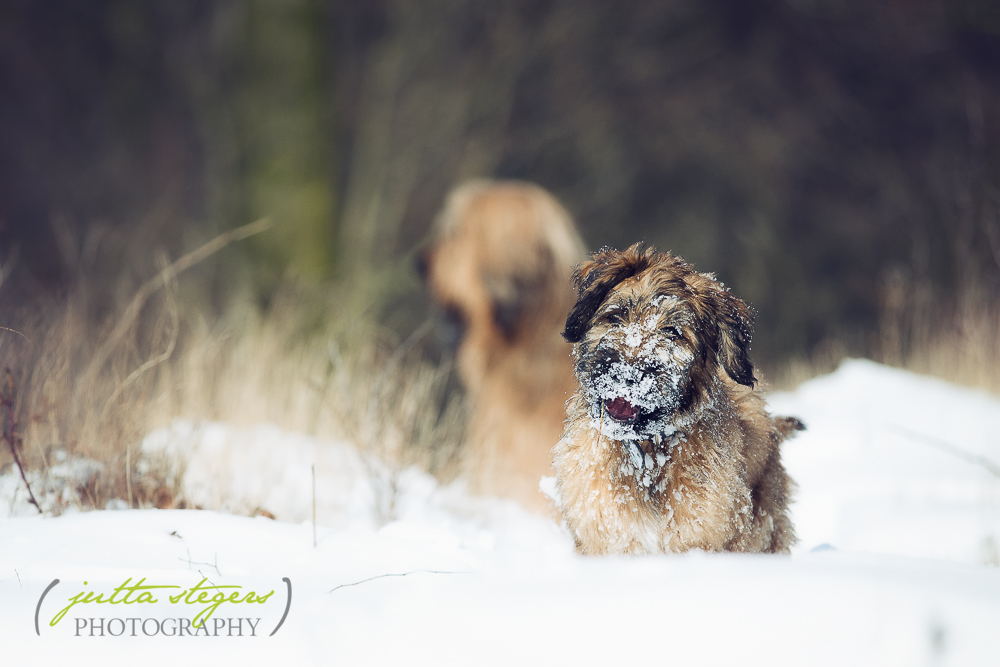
[[667, 447]]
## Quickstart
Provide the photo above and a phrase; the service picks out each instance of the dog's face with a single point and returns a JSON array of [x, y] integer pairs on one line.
[[651, 334], [497, 268]]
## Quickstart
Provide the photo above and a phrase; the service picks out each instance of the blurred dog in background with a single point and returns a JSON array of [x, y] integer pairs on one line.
[[668, 447], [499, 268]]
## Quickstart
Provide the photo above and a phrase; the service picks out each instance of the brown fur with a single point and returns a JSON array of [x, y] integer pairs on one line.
[[692, 460], [500, 268]]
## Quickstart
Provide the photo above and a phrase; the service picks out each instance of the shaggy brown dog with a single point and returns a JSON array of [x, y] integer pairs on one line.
[[667, 447], [500, 268]]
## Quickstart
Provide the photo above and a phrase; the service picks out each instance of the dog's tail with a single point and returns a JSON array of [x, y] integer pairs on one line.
[[788, 425]]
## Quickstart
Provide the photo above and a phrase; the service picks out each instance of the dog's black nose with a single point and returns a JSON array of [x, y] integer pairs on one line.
[[453, 327], [422, 263]]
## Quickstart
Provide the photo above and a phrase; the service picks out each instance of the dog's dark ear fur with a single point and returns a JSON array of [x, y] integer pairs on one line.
[[595, 279], [520, 296], [514, 298], [735, 321]]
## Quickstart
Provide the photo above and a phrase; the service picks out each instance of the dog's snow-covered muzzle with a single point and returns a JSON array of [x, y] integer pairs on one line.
[[635, 373], [633, 401]]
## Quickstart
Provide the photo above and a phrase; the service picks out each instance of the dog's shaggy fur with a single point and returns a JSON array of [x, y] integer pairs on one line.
[[499, 267], [667, 447]]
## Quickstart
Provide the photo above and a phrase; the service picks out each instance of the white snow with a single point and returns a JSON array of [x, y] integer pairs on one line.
[[899, 525], [886, 464]]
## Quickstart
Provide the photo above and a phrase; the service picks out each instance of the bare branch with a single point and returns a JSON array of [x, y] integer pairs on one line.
[[214, 566], [164, 277], [17, 332], [968, 457], [153, 361], [399, 574], [13, 440]]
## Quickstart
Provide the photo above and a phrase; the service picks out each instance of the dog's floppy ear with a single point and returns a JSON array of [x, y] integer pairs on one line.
[[735, 321], [593, 281], [588, 300]]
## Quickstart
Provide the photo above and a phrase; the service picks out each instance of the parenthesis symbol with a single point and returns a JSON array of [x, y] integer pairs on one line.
[[288, 605], [39, 607]]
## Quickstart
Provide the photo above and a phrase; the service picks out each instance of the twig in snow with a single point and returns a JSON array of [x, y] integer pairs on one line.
[[128, 473], [13, 439], [968, 457], [398, 574], [190, 562], [314, 503], [206, 578]]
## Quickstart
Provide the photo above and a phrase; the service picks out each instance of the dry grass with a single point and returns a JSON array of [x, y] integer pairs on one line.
[[89, 388], [958, 341]]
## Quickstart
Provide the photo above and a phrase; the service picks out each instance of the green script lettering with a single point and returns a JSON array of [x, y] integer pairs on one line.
[[87, 597]]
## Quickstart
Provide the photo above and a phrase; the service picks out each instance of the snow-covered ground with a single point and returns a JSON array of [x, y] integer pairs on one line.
[[898, 511]]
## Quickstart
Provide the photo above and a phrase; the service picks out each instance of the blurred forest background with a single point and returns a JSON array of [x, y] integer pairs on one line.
[[837, 163]]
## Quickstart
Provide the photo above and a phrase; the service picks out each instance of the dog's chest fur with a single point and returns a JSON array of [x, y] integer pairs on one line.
[[690, 490]]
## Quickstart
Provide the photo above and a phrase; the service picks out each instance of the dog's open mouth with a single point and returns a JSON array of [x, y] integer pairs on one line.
[[621, 410]]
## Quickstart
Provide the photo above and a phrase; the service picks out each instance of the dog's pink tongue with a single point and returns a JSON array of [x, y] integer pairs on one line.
[[621, 409]]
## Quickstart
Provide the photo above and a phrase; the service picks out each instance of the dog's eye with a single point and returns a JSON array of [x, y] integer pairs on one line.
[[673, 333], [615, 318]]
